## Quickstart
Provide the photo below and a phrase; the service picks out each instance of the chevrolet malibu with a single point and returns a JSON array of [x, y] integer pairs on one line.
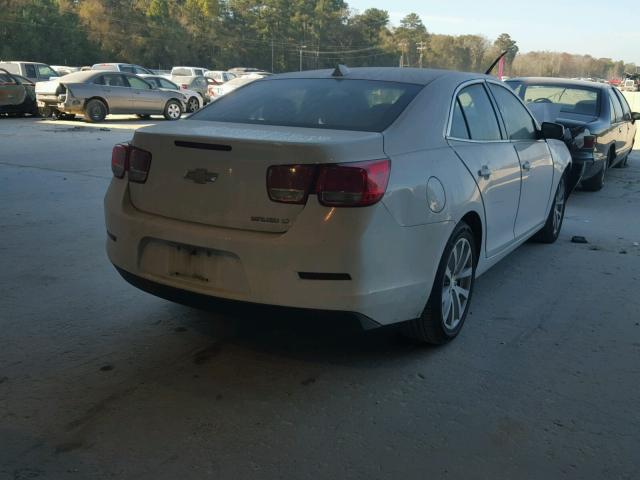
[[381, 192]]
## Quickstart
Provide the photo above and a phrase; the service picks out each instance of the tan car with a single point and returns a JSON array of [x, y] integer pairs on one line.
[[95, 94]]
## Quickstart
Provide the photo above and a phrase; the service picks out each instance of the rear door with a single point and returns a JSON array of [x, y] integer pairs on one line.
[[620, 131], [535, 159], [30, 72], [11, 92], [626, 117], [476, 137], [117, 92]]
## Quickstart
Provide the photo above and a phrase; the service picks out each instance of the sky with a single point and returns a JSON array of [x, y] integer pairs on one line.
[[601, 29]]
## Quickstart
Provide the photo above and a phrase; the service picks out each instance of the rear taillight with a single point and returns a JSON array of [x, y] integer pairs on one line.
[[290, 183], [337, 184], [126, 158], [352, 184], [184, 86], [119, 159], [589, 142]]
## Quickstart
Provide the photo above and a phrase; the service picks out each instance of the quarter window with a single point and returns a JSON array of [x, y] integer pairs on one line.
[[518, 122], [479, 113], [458, 123]]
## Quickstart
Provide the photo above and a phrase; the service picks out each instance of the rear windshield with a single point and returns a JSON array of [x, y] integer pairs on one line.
[[340, 104], [572, 99]]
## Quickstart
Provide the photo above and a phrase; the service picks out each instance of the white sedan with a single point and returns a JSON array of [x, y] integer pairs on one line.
[[381, 192]]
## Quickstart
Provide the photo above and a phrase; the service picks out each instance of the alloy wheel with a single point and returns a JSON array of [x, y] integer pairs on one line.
[[456, 286], [558, 208], [173, 110], [193, 105]]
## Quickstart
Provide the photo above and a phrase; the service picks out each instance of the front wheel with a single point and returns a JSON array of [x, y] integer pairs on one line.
[[551, 230], [448, 304], [173, 110]]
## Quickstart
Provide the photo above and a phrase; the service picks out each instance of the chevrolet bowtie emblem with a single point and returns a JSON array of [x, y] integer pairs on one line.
[[200, 175]]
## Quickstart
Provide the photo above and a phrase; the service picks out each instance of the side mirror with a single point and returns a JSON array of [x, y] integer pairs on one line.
[[552, 131], [635, 116]]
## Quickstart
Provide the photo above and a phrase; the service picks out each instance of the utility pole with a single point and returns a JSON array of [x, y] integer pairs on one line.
[[301, 48], [421, 48]]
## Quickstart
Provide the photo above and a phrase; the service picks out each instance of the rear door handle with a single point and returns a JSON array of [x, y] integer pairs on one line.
[[526, 166], [484, 172]]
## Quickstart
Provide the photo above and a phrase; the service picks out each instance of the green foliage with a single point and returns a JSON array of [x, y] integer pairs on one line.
[[268, 34]]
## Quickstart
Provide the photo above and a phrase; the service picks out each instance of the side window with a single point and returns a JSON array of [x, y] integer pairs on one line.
[[167, 84], [458, 123], [479, 113], [5, 79], [126, 68], [519, 124], [617, 108], [138, 83], [30, 70], [115, 80], [198, 72], [99, 80], [139, 70], [626, 110]]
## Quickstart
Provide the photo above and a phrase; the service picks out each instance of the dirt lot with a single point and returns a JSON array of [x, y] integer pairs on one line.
[[99, 380]]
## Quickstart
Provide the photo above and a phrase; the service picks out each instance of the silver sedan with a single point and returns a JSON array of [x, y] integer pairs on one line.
[[95, 94]]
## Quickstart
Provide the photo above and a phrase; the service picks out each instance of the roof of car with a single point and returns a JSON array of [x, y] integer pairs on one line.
[[558, 81], [420, 76]]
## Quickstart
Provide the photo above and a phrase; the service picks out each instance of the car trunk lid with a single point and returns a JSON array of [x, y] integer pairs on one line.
[[215, 173]]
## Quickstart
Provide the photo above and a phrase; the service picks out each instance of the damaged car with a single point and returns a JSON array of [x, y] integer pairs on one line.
[[17, 94], [94, 94], [601, 127], [379, 192]]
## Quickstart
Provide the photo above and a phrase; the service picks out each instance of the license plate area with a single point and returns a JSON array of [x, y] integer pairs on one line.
[[205, 268]]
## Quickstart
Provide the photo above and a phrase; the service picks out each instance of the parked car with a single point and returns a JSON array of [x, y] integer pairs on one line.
[[17, 94], [188, 72], [64, 70], [34, 71], [240, 71], [96, 93], [629, 85], [193, 100], [596, 109], [219, 76], [216, 91], [196, 83], [122, 67], [383, 192]]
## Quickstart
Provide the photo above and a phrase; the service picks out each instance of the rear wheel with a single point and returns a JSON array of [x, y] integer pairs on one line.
[[173, 110], [95, 111], [448, 304], [551, 230], [596, 182], [193, 104]]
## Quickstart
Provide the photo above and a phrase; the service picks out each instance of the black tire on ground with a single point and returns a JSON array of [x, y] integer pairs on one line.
[[143, 116], [431, 327], [172, 110], [95, 111], [192, 105], [551, 230], [596, 182]]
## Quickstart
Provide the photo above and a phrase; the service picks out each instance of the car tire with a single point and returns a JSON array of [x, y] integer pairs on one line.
[[173, 110], [95, 111], [443, 317], [143, 116], [551, 230], [192, 105], [596, 182]]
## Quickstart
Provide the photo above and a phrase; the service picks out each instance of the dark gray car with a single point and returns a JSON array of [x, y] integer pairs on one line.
[[597, 112], [95, 93]]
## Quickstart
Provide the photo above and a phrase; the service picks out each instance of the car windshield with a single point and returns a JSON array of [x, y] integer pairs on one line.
[[572, 99], [181, 72], [340, 104]]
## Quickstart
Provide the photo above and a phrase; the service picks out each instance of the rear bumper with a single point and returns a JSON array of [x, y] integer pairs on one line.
[[390, 268]]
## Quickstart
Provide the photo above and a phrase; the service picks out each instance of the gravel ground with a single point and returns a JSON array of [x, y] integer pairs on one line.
[[100, 380]]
